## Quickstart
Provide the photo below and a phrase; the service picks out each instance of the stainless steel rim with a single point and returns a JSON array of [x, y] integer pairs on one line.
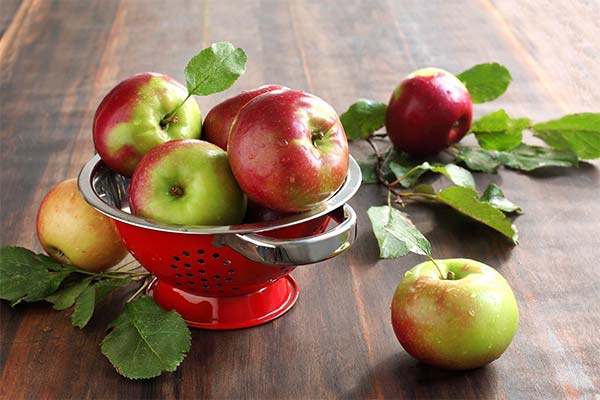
[[89, 184]]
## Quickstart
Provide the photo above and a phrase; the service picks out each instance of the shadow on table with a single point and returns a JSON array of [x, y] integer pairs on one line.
[[401, 376]]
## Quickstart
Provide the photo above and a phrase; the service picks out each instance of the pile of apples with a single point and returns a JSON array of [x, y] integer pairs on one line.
[[264, 153]]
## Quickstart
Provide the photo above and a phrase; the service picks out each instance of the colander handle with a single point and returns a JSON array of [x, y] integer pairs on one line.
[[299, 251]]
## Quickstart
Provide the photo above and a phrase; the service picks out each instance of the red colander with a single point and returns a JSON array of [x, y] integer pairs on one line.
[[225, 277]]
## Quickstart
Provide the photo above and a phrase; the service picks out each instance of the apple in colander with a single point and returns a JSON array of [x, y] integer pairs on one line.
[[187, 182], [288, 150], [217, 123]]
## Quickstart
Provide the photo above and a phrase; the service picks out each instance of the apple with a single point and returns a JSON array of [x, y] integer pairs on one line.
[[463, 321], [72, 232], [133, 118], [218, 120], [429, 110], [187, 182], [288, 150]]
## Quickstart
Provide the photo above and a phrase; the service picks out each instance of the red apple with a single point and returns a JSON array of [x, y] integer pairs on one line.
[[72, 232], [429, 110], [465, 320], [187, 182], [218, 120], [130, 120], [288, 150]]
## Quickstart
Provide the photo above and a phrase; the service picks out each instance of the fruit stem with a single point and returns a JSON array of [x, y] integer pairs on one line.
[[170, 117], [142, 287], [442, 277]]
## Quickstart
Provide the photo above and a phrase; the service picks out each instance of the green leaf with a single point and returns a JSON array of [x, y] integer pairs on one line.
[[458, 175], [363, 118], [92, 295], [396, 234], [577, 132], [84, 308], [485, 82], [27, 276], [528, 158], [215, 69], [465, 201], [407, 172], [498, 131], [493, 195], [424, 188], [478, 159], [408, 175], [66, 296], [367, 168], [145, 340]]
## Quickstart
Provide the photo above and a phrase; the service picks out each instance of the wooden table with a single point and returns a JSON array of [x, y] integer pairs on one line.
[[59, 58]]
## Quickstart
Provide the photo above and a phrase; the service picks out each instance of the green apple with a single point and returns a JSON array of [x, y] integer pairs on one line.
[[463, 321], [72, 232], [132, 119], [187, 182]]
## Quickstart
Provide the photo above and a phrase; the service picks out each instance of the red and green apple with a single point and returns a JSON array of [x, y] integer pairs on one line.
[[140, 113], [72, 232], [217, 123], [465, 320], [288, 150], [187, 182], [428, 111]]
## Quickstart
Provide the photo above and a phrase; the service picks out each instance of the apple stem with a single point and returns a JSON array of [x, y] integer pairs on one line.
[[142, 287], [170, 117], [442, 276]]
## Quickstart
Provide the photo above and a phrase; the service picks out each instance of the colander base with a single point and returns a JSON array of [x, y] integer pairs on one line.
[[228, 312]]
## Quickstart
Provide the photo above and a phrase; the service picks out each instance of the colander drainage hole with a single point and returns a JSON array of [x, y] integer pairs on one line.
[[173, 266], [200, 261], [178, 275], [186, 253], [176, 258], [227, 262], [191, 282], [228, 279], [205, 287], [190, 275], [200, 251], [219, 284], [187, 265], [217, 276], [202, 272], [216, 255], [230, 271], [235, 288], [203, 279]]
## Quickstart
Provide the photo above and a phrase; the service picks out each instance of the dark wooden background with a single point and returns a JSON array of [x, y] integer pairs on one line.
[[58, 59]]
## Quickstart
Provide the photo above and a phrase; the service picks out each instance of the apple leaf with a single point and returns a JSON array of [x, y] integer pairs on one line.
[[86, 302], [65, 297], [84, 308], [465, 201], [26, 276], [485, 82], [145, 340], [215, 69], [367, 168], [493, 195], [396, 234], [498, 131], [528, 158], [524, 158], [363, 118], [478, 159], [408, 176], [577, 132]]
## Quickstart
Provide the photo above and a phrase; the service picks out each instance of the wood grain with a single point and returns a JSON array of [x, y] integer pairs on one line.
[[58, 59]]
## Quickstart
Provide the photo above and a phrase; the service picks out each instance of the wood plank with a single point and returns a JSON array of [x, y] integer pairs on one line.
[[337, 341]]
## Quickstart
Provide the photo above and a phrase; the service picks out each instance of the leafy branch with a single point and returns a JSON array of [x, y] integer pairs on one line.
[[500, 137]]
